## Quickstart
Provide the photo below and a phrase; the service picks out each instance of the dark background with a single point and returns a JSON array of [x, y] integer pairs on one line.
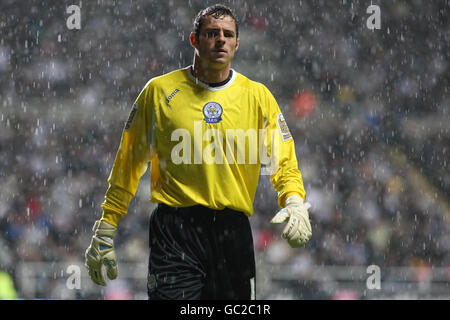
[[368, 109]]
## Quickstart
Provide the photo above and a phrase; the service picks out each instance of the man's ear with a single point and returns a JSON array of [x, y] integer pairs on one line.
[[193, 40], [237, 43]]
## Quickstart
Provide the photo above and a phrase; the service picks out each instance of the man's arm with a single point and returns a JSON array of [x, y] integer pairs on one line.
[[286, 178], [131, 160], [130, 164]]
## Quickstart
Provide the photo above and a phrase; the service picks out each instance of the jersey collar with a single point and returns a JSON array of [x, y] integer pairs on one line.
[[207, 86]]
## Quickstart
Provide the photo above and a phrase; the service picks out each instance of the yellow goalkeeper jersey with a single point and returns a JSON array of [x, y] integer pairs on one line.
[[206, 146]]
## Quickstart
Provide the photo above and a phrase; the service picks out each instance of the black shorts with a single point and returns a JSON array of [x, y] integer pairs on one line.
[[200, 253]]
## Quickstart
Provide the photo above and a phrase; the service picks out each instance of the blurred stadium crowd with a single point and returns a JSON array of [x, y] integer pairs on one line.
[[356, 101]]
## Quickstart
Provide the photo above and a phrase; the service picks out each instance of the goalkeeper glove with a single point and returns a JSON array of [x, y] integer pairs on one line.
[[298, 229], [101, 252]]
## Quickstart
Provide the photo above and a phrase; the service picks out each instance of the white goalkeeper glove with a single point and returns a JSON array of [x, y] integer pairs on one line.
[[298, 229], [101, 252]]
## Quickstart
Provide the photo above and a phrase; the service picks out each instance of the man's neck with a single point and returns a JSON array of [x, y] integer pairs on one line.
[[209, 75]]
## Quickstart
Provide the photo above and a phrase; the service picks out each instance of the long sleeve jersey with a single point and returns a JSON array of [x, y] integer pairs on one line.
[[205, 145]]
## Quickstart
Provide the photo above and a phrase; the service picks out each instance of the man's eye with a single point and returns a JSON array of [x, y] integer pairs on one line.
[[211, 34]]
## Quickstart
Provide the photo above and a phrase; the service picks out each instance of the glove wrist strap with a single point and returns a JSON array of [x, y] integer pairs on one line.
[[104, 229], [294, 199]]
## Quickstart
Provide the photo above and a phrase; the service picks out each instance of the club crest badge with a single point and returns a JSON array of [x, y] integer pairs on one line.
[[212, 112]]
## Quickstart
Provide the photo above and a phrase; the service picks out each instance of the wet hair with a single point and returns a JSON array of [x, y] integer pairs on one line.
[[217, 10]]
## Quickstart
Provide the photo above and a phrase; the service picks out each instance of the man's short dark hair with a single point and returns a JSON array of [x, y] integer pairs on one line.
[[217, 10]]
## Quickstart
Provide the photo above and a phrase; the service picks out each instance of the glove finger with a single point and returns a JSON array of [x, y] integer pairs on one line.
[[297, 242], [303, 230], [307, 226], [96, 276], [112, 273], [110, 262], [280, 217], [111, 268], [90, 254], [94, 267], [291, 227], [307, 205], [297, 231], [91, 260], [305, 236]]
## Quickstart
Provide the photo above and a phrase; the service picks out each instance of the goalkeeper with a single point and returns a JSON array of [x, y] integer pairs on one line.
[[201, 244]]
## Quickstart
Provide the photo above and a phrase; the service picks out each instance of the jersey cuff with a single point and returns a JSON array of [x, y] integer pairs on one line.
[[111, 217]]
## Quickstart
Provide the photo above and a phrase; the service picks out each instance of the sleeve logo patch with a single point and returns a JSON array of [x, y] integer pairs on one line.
[[131, 117], [283, 127]]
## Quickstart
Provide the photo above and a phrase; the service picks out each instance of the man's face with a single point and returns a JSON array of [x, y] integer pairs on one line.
[[217, 42]]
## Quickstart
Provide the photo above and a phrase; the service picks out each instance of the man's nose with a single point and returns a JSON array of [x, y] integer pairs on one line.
[[220, 37]]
